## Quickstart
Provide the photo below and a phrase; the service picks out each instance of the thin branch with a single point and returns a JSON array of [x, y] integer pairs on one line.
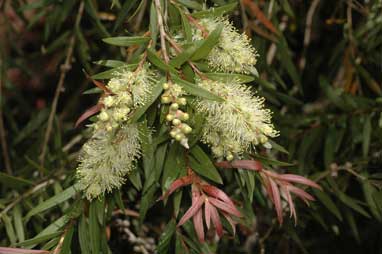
[[161, 31], [308, 30], [27, 194], [64, 69]]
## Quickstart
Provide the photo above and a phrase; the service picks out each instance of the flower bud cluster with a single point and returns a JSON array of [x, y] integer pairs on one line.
[[233, 53], [175, 116], [128, 91], [106, 159], [232, 126]]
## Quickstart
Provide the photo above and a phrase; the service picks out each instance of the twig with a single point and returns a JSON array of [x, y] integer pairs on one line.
[[272, 49], [58, 248], [161, 31], [4, 145], [308, 30], [64, 69]]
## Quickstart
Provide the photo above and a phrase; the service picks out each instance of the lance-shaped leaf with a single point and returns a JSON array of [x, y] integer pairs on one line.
[[88, 113], [207, 213], [297, 179], [230, 221], [192, 210], [216, 221], [217, 193], [244, 164], [292, 209], [198, 224], [276, 200], [228, 208], [183, 181], [300, 193]]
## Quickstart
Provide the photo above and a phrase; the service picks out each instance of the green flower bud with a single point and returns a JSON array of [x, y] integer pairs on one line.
[[170, 117], [179, 137], [174, 106], [166, 86], [165, 99], [186, 129], [185, 117], [173, 133], [176, 122], [182, 101], [103, 116], [230, 157]]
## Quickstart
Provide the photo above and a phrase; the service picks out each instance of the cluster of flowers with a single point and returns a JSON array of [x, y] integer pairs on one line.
[[176, 116], [110, 153]]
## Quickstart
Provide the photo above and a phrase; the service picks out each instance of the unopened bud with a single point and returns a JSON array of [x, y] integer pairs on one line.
[[174, 106], [176, 122], [166, 86], [170, 117], [165, 99]]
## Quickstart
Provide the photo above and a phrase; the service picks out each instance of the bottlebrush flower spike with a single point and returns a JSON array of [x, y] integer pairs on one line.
[[233, 53], [231, 127], [277, 185]]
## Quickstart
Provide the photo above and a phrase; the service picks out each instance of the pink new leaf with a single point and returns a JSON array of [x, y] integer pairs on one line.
[[183, 181], [198, 224], [5, 250], [88, 113], [291, 204], [217, 193], [226, 207], [276, 200], [192, 210], [216, 220], [207, 213], [299, 179], [300, 193]]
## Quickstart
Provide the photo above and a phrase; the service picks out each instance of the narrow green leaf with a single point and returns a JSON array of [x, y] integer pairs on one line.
[[369, 191], [164, 241], [204, 48], [196, 90], [9, 229], [126, 7], [230, 76], [215, 12], [19, 227], [153, 24], [83, 235], [201, 164], [183, 57], [125, 41], [186, 26], [39, 239], [328, 203], [352, 203], [110, 63], [366, 136], [92, 11], [94, 227], [191, 4], [155, 60], [13, 181], [53, 201], [156, 91]]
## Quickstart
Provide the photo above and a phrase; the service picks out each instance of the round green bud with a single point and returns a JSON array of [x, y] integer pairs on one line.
[[169, 117], [230, 157], [174, 106], [182, 101], [165, 99], [166, 86], [103, 116], [185, 117], [176, 122], [173, 133], [186, 129], [179, 137]]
